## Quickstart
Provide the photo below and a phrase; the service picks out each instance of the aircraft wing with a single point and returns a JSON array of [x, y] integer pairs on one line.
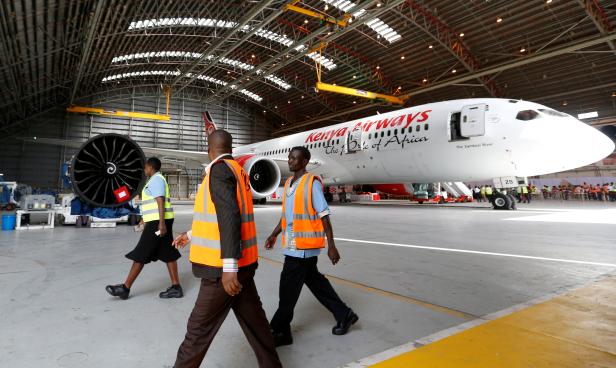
[[197, 156]]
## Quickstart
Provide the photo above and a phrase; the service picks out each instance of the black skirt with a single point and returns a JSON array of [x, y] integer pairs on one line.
[[152, 247]]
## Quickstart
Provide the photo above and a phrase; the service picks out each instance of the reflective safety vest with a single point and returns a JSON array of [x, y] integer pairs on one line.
[[483, 190], [308, 228], [524, 190], [205, 248], [519, 190], [149, 207], [488, 191]]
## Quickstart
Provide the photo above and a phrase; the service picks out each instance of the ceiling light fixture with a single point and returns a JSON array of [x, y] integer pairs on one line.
[[588, 115], [430, 46], [462, 34], [354, 76], [305, 21], [564, 103], [499, 19], [454, 71], [425, 80], [402, 57], [522, 49]]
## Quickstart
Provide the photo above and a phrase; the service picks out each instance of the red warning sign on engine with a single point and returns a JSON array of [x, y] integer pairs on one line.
[[122, 193]]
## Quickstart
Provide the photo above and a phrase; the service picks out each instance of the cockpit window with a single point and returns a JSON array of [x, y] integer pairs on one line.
[[527, 115], [551, 112]]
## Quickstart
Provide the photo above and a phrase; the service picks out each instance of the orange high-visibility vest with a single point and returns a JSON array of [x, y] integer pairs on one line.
[[307, 226], [205, 246]]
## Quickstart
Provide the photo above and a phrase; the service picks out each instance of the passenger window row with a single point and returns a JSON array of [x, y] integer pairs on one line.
[[395, 131]]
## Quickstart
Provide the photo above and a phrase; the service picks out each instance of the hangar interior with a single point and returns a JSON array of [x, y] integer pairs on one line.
[[435, 285]]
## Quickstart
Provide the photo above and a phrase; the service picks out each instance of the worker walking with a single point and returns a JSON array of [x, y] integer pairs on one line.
[[489, 193], [224, 254], [157, 237], [305, 224]]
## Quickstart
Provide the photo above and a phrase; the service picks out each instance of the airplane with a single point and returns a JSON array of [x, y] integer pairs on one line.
[[450, 141]]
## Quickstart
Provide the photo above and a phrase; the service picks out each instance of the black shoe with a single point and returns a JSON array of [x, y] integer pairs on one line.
[[342, 327], [174, 291], [282, 339], [119, 290]]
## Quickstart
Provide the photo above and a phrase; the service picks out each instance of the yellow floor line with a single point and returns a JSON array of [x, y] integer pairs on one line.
[[577, 329], [400, 297]]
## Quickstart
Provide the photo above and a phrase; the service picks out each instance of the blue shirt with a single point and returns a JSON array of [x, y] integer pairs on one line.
[[320, 206], [155, 187]]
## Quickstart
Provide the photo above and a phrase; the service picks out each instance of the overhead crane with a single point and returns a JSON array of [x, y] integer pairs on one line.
[[124, 114], [327, 87]]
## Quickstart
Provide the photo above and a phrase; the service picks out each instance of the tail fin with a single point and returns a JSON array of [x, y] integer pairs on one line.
[[210, 127]]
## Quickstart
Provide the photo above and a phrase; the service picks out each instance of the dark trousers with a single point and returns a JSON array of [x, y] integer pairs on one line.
[[211, 309], [295, 273]]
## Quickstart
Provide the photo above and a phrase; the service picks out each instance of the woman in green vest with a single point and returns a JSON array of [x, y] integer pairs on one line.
[[157, 237]]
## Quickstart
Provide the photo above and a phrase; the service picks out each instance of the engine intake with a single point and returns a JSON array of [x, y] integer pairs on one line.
[[264, 175], [107, 171]]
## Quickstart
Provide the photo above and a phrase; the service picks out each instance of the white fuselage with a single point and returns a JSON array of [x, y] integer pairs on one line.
[[416, 144]]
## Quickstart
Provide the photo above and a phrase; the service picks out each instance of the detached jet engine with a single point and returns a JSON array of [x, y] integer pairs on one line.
[[107, 171]]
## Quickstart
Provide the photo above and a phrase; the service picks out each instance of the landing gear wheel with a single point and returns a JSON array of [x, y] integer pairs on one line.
[[501, 202]]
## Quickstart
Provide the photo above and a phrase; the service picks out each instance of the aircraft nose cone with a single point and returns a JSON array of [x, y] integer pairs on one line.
[[599, 146]]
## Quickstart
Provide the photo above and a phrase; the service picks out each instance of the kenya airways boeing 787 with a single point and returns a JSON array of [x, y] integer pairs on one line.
[[459, 140]]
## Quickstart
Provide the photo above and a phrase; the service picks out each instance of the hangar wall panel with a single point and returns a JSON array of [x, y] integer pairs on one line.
[[40, 165]]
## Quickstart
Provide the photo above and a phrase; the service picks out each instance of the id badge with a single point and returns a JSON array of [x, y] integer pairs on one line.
[[290, 239]]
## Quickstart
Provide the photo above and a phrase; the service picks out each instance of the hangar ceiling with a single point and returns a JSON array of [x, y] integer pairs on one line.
[[60, 52]]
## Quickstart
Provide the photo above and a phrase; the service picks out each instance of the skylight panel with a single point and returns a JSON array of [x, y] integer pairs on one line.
[[380, 27], [279, 82]]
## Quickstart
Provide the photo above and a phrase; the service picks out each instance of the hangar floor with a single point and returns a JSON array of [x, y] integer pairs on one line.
[[408, 271]]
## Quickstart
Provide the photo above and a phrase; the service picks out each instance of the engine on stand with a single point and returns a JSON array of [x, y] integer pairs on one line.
[[106, 174], [107, 171]]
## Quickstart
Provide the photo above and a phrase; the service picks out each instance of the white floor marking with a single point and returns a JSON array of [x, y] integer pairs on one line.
[[574, 216], [479, 252]]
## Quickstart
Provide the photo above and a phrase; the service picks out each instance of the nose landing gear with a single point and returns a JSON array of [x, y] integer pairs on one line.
[[502, 201]]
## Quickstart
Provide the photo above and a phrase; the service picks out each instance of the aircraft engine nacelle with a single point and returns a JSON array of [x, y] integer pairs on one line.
[[107, 171], [264, 174]]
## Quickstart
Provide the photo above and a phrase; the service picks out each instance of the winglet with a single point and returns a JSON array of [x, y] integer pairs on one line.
[[210, 127]]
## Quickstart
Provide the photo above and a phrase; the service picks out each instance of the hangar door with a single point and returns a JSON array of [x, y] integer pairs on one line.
[[473, 122]]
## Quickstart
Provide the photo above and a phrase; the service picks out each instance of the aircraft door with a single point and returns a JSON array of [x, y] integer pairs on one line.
[[473, 122], [353, 141]]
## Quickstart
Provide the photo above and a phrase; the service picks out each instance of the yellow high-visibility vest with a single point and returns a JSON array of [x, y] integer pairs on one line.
[[149, 207], [205, 247], [307, 226]]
